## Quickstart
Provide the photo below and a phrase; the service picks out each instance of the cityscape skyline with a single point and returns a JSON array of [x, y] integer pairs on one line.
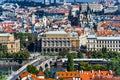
[[63, 0], [56, 40]]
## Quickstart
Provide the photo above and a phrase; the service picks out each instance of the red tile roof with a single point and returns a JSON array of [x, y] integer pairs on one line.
[[40, 73], [85, 75], [24, 75]]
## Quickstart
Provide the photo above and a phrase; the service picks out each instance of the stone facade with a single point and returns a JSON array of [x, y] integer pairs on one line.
[[12, 44], [112, 43], [56, 41]]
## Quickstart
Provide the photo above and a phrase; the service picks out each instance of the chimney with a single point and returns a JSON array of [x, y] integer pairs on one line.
[[99, 71], [92, 71], [108, 75], [110, 71], [87, 73]]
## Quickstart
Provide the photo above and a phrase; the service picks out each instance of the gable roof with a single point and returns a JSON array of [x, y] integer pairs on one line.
[[24, 75], [40, 73]]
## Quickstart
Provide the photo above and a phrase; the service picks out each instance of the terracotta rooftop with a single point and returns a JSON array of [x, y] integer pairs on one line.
[[24, 75], [106, 32], [80, 32], [40, 73], [85, 75]]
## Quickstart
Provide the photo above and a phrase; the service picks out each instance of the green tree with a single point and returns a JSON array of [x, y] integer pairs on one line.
[[48, 73], [25, 38], [60, 79], [4, 79], [115, 65], [103, 68], [97, 67], [104, 50], [22, 55], [79, 55], [94, 55], [4, 52], [114, 60], [4, 48], [32, 69], [63, 53], [74, 55], [70, 63], [84, 66], [99, 54], [2, 55], [53, 54], [59, 57]]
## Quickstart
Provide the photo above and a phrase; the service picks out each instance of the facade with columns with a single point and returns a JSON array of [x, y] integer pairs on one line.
[[112, 43], [56, 41], [8, 40]]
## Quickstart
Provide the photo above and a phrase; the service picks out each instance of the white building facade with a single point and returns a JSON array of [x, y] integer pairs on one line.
[[112, 43]]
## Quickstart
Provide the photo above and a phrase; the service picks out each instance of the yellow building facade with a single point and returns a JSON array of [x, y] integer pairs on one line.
[[12, 44], [57, 41]]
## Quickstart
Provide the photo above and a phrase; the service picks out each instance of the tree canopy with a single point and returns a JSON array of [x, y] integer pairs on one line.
[[70, 63], [87, 67], [48, 73], [113, 56], [84, 66], [32, 69]]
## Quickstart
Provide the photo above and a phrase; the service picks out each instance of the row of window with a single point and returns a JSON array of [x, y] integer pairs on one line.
[[108, 45], [56, 38], [56, 43], [104, 45], [93, 41], [92, 49], [108, 41]]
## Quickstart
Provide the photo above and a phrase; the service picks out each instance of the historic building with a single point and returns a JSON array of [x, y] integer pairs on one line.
[[12, 44], [56, 41], [112, 43]]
